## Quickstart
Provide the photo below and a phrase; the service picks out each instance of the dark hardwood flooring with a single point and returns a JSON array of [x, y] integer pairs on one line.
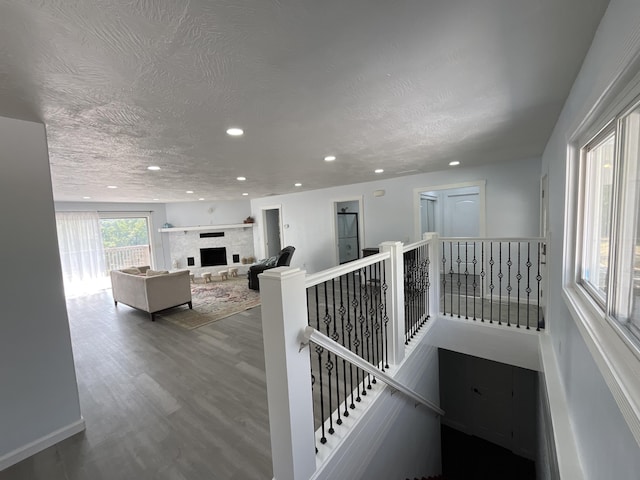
[[161, 402]]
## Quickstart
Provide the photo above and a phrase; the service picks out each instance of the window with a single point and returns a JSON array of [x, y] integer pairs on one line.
[[609, 258]]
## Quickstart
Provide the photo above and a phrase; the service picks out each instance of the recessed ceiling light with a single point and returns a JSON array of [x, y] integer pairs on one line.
[[234, 131], [329, 158], [156, 199], [245, 194], [298, 185], [241, 179], [201, 199], [607, 165], [111, 186], [189, 191], [153, 167], [378, 170], [86, 198], [454, 163]]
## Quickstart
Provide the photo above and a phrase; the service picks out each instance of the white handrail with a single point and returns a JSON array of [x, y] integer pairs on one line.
[[492, 239], [335, 272], [313, 335]]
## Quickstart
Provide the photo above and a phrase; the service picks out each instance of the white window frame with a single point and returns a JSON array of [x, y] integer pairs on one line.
[[134, 214], [615, 350]]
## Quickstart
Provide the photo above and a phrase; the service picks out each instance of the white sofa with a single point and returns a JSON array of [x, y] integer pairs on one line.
[[151, 293]]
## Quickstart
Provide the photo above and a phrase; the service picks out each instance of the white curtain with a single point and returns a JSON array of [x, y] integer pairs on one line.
[[81, 251]]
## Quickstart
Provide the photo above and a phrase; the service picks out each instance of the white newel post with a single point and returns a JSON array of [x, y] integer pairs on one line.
[[434, 273], [394, 271], [288, 370]]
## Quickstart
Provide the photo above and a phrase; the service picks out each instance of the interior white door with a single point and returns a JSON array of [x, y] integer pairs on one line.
[[461, 212]]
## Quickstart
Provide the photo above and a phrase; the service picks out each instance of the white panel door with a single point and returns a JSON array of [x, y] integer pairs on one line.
[[461, 215]]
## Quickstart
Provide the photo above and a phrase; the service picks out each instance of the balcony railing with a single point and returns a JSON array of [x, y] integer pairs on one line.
[[122, 257]]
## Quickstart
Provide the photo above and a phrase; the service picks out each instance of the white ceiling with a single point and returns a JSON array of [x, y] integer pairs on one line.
[[402, 85]]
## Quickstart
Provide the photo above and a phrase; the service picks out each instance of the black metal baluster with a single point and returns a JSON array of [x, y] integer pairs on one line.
[[482, 289], [538, 278], [444, 281], [329, 364], [385, 318], [451, 273], [369, 322], [366, 348], [500, 275], [528, 280], [361, 321], [509, 263], [458, 282], [466, 281], [349, 329], [378, 314], [518, 277], [491, 262], [335, 336], [356, 340], [342, 310], [475, 281], [319, 351], [428, 283]]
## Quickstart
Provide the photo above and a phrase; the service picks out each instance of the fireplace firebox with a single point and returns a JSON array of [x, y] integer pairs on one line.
[[210, 257]]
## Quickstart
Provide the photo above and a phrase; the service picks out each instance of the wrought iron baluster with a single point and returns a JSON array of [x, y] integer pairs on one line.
[[482, 275], [539, 279], [378, 313], [444, 281], [466, 281], [342, 310], [528, 290], [428, 281], [361, 321], [329, 364], [509, 264], [335, 336], [519, 278], [319, 351], [369, 310], [349, 329], [500, 275], [451, 273], [475, 280], [491, 262], [356, 340], [385, 318], [458, 282]]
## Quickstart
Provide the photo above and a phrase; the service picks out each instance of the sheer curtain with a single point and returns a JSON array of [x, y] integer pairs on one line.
[[81, 252]]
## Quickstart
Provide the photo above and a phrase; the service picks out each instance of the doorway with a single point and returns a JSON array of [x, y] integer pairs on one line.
[[348, 230], [272, 231]]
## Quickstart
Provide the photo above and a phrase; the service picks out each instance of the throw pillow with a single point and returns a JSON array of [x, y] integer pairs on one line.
[[132, 270], [272, 261], [155, 273]]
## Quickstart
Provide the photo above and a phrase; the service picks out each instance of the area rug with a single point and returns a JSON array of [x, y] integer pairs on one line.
[[212, 302]]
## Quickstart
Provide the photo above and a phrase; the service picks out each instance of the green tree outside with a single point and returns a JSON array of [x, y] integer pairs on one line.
[[124, 232]]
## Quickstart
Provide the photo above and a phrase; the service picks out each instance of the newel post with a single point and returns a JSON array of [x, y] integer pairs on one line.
[[434, 273], [394, 274], [288, 371]]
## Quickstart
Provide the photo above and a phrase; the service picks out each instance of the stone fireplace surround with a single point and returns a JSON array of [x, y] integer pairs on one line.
[[187, 243]]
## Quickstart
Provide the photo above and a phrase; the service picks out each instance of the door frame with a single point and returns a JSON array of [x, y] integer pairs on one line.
[[334, 223], [263, 217], [481, 184]]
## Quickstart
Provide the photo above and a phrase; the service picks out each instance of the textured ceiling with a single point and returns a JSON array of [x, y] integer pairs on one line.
[[402, 85]]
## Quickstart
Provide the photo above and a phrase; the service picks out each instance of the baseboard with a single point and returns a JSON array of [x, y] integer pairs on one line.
[[40, 444]]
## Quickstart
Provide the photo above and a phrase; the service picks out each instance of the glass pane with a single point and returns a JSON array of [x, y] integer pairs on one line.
[[597, 221]]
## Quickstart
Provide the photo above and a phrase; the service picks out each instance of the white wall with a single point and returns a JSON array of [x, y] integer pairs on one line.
[[161, 253], [38, 390], [605, 443], [512, 201], [191, 214]]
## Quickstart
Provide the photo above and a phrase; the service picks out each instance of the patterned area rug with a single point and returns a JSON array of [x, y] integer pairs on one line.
[[212, 302]]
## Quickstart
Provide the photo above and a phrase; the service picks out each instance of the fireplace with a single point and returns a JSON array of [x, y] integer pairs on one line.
[[210, 257]]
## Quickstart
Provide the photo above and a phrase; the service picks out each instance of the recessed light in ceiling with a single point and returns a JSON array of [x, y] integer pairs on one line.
[[235, 132], [241, 179], [245, 194], [297, 185], [112, 186], [329, 158], [607, 165], [189, 191], [153, 167], [378, 170], [454, 163], [156, 199], [201, 199], [86, 198]]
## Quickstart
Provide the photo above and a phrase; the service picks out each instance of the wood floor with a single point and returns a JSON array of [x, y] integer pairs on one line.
[[161, 402]]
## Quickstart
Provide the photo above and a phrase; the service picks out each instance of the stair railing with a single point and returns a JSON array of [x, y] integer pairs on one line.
[[310, 334]]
